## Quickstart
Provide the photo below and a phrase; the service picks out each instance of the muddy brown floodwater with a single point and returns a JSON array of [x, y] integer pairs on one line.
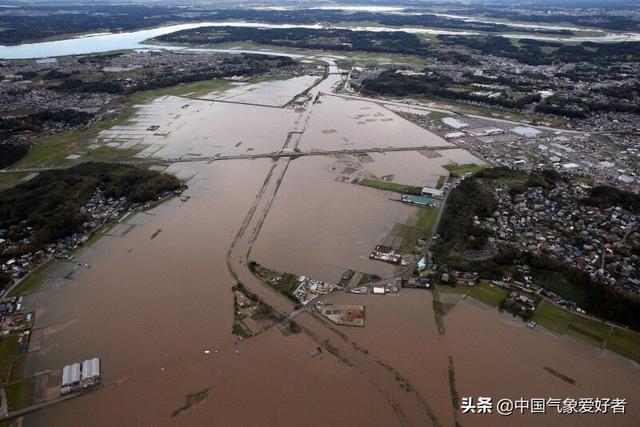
[[319, 227], [497, 356], [156, 303], [151, 307]]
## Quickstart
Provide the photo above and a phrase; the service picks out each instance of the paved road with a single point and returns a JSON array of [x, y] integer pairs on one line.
[[40, 405], [290, 154], [3, 403]]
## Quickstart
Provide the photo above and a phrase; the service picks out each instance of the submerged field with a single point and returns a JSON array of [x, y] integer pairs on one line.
[[183, 257]]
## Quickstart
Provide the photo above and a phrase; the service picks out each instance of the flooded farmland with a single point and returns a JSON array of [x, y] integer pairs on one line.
[[273, 93], [345, 123], [112, 309], [326, 224], [155, 303], [498, 356], [323, 226], [174, 128]]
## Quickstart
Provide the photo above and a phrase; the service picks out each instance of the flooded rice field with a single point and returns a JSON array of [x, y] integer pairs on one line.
[[173, 128], [321, 227], [421, 168], [155, 302], [325, 224], [344, 123], [273, 93], [150, 307], [498, 356], [401, 332]]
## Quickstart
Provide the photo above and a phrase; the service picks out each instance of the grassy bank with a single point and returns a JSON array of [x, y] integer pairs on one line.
[[20, 394], [8, 180], [587, 330], [488, 294], [28, 284], [553, 318], [389, 186], [457, 170]]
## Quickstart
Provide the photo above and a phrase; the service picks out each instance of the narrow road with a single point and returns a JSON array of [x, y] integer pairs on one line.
[[39, 405], [290, 154], [4, 407]]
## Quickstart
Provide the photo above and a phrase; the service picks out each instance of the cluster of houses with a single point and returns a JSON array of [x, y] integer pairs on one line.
[[308, 289], [462, 278], [613, 159], [13, 319], [520, 303], [98, 210], [558, 223], [387, 254]]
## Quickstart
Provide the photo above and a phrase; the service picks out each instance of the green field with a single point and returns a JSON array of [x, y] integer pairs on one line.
[[11, 368], [9, 345], [488, 294], [66, 58], [20, 394], [409, 236], [457, 170], [437, 115], [587, 330], [28, 284], [552, 317], [10, 179], [587, 180], [285, 283], [426, 218], [625, 343], [389, 186], [361, 59]]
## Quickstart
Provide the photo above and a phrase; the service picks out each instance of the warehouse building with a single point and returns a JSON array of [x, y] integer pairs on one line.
[[77, 376]]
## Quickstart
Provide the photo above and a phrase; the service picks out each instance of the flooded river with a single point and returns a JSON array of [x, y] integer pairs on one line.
[[105, 42], [156, 304]]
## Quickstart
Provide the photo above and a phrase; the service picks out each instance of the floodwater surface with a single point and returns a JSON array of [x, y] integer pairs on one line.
[[151, 307], [319, 227], [155, 303], [175, 127], [274, 93], [497, 356], [347, 124]]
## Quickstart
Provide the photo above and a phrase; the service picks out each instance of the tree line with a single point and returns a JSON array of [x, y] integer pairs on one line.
[[48, 207]]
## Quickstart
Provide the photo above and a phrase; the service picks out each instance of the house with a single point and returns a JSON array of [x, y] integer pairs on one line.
[[379, 290]]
